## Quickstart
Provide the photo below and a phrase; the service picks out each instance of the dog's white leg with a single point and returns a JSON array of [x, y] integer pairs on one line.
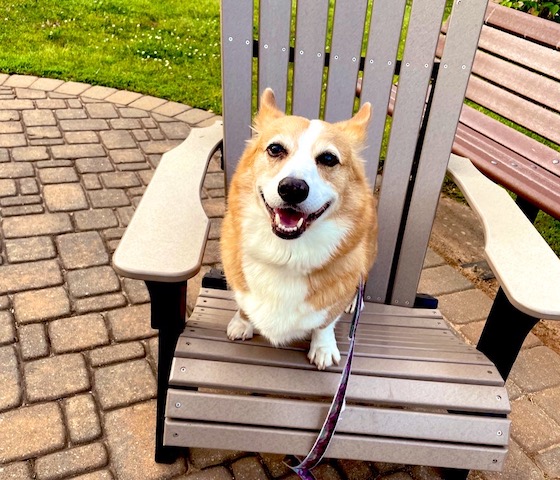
[[323, 351], [239, 327]]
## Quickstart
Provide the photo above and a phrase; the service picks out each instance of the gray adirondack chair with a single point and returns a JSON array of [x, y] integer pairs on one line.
[[417, 394]]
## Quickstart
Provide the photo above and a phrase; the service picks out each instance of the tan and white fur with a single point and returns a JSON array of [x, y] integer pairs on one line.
[[300, 228]]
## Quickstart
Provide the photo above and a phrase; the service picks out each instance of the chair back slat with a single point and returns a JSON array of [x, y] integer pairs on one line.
[[456, 62], [237, 60], [309, 61], [346, 48], [414, 80], [274, 47], [379, 69]]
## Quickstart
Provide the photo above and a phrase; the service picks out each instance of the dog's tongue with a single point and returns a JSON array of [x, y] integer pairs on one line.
[[288, 217]]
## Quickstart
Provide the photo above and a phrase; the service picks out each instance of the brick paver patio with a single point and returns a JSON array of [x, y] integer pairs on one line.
[[77, 354]]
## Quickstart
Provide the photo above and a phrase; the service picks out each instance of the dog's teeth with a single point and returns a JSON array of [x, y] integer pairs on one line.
[[300, 222], [277, 219]]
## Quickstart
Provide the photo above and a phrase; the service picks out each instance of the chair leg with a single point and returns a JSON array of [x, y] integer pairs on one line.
[[504, 333], [168, 310]]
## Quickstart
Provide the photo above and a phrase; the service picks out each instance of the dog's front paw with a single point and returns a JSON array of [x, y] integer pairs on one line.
[[239, 329], [323, 351]]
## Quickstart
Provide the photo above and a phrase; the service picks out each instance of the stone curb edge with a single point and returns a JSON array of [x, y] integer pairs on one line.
[[176, 110]]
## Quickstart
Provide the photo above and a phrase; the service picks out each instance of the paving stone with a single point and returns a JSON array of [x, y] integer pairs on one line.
[[33, 118], [110, 197], [169, 109], [47, 84], [50, 103], [58, 175], [16, 471], [464, 307], [275, 464], [78, 150], [518, 466], [72, 88], [207, 457], [98, 92], [22, 210], [31, 94], [536, 369], [81, 137], [71, 114], [73, 125], [55, 377], [125, 215], [214, 207], [124, 383], [99, 475], [91, 181], [211, 252], [136, 291], [216, 473], [78, 333], [44, 135], [27, 276], [23, 81], [65, 197], [442, 280], [531, 427], [81, 250], [131, 323], [82, 418], [20, 200], [7, 188], [120, 179], [33, 341], [71, 462], [119, 352], [11, 127], [7, 328], [127, 112], [9, 116], [94, 165], [152, 348], [175, 130], [92, 281], [99, 303], [9, 140], [16, 170], [155, 134], [28, 186], [40, 305], [31, 431], [123, 97], [125, 124], [127, 156], [95, 219], [10, 393], [147, 102], [396, 476], [194, 116], [355, 470], [132, 448], [548, 400], [101, 110], [16, 104], [160, 146], [32, 225], [249, 468], [549, 461], [426, 473], [140, 135], [113, 139]]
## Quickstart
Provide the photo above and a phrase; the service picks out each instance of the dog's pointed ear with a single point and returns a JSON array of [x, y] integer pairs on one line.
[[357, 125], [268, 110]]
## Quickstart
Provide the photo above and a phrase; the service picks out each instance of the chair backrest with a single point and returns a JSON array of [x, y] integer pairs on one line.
[[312, 52]]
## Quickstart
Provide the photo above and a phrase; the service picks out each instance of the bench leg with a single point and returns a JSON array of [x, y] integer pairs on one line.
[[168, 310]]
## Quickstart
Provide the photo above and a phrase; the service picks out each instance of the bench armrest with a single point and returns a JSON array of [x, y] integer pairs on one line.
[[524, 264], [166, 237]]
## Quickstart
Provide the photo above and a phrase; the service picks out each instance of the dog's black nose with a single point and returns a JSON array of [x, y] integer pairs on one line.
[[293, 190]]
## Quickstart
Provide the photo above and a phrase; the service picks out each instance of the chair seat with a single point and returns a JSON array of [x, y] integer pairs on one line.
[[417, 391]]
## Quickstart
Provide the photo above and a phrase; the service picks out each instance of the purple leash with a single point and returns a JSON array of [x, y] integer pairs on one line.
[[326, 434]]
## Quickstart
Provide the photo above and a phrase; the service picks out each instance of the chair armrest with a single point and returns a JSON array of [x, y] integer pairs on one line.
[[166, 237], [526, 267]]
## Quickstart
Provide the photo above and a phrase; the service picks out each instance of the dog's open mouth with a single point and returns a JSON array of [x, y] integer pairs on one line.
[[289, 222]]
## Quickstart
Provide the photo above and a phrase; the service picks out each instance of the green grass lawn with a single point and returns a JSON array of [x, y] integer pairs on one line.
[[168, 48]]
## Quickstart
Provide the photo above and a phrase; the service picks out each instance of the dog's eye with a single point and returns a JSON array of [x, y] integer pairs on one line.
[[328, 159], [276, 150]]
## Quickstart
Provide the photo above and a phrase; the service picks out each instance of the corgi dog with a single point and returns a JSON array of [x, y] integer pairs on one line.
[[300, 228]]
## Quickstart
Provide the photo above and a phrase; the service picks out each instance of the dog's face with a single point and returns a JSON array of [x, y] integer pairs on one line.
[[304, 169]]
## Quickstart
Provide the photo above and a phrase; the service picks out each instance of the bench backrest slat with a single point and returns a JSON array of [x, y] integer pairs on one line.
[[311, 30], [379, 69], [414, 80], [453, 77], [346, 48], [237, 60], [274, 47]]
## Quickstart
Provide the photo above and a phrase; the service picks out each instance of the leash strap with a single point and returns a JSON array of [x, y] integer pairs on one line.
[[317, 452]]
